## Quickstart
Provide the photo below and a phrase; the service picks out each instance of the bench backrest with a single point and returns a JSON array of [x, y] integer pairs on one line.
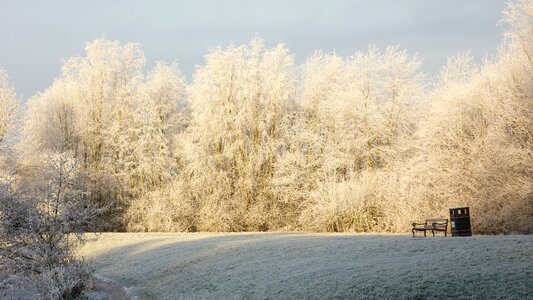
[[438, 222]]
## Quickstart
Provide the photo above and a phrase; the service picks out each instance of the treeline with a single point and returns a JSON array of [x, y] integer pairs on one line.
[[255, 142]]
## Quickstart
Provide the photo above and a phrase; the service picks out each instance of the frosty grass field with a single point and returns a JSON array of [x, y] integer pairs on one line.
[[312, 266]]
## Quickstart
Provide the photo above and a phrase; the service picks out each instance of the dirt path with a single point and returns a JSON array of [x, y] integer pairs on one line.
[[106, 289]]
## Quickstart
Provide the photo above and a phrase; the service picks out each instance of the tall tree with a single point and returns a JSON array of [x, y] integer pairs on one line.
[[238, 98]]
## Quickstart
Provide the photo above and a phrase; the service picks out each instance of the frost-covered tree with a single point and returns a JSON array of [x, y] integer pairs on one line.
[[476, 142], [151, 164], [49, 124], [104, 87], [88, 110], [42, 224], [380, 88], [518, 16], [353, 120], [120, 127], [155, 123], [238, 99], [165, 87], [310, 139], [9, 104]]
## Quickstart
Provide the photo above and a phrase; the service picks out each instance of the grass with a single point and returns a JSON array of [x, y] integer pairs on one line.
[[313, 266]]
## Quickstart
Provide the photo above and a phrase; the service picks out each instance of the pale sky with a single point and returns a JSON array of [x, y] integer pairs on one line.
[[36, 36]]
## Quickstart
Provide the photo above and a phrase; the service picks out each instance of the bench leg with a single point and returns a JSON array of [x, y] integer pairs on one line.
[[433, 231], [413, 232], [424, 233]]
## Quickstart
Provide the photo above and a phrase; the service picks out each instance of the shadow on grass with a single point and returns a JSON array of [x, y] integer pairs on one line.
[[317, 266]]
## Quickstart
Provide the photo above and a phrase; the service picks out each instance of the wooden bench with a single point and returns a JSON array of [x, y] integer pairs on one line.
[[431, 224]]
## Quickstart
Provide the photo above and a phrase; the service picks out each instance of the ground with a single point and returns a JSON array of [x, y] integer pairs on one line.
[[312, 266]]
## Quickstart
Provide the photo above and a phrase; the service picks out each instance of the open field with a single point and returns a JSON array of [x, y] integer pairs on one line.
[[313, 266]]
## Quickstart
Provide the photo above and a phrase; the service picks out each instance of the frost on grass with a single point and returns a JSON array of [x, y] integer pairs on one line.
[[314, 266]]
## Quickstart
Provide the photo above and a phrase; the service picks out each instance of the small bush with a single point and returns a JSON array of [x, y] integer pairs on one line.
[[41, 228]]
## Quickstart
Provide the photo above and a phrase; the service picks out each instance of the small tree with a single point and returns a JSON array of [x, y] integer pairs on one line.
[[41, 227]]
